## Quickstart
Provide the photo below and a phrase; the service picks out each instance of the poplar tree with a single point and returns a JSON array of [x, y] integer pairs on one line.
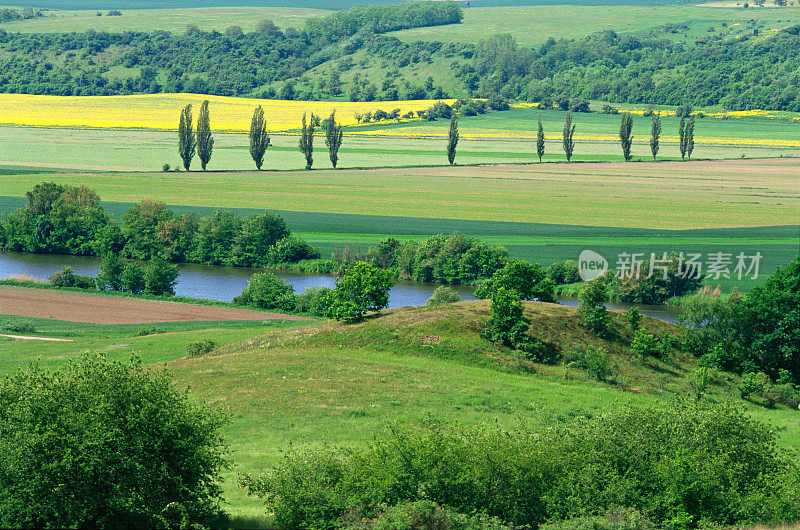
[[655, 134], [452, 140], [259, 139], [333, 138], [205, 141], [186, 140], [569, 131], [307, 139], [625, 136], [540, 140], [682, 137], [690, 138]]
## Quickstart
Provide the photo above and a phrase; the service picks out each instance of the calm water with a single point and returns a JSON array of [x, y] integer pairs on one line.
[[223, 283]]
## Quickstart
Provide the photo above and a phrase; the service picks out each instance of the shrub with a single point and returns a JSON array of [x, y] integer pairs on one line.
[[132, 278], [110, 276], [160, 277], [200, 347], [66, 277], [420, 515], [507, 323], [362, 289], [19, 326], [528, 280], [291, 249], [316, 301], [102, 450], [267, 291], [563, 273], [443, 295], [644, 345], [592, 359], [634, 318], [592, 308]]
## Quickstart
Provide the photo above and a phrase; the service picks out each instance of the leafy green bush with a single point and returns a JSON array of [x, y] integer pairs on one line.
[[419, 515], [592, 308], [316, 301], [443, 295], [644, 345], [200, 347], [634, 318], [669, 465], [616, 518], [563, 273], [592, 359], [360, 290], [160, 277], [528, 280], [132, 278], [66, 277], [19, 326], [109, 277], [102, 450], [267, 291], [291, 249], [507, 323]]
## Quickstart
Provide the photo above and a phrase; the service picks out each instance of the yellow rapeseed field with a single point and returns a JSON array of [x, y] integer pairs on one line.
[[162, 111]]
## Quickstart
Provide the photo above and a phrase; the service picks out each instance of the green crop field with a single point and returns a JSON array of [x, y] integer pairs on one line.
[[532, 25], [174, 20], [294, 387]]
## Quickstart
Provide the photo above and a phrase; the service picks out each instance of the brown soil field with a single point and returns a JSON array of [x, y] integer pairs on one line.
[[99, 309]]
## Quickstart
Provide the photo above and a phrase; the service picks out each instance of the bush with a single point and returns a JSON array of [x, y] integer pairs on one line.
[[592, 359], [592, 308], [291, 249], [20, 326], [101, 450], [66, 277], [634, 318], [160, 277], [507, 323], [316, 301], [360, 290], [563, 273], [110, 276], [528, 280], [644, 345], [616, 518], [443, 295], [132, 278], [671, 465], [421, 515], [200, 347], [267, 291]]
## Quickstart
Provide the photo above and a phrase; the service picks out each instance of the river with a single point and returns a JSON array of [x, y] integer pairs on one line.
[[223, 283]]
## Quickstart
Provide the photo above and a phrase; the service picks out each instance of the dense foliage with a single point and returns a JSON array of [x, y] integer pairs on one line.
[[69, 220], [101, 444], [674, 466]]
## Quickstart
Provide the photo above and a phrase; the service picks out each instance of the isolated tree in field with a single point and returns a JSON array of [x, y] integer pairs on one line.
[[682, 137], [333, 138], [567, 142], [307, 140], [205, 140], [690, 138], [452, 140], [259, 139], [625, 136], [655, 134], [186, 139], [540, 140]]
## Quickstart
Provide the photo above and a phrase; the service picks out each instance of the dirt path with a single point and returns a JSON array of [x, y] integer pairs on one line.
[[100, 309], [50, 339]]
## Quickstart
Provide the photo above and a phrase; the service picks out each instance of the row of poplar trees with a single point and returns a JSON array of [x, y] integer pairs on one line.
[[201, 141], [685, 137]]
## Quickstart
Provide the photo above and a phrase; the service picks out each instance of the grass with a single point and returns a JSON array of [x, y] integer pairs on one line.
[[532, 25], [311, 385], [173, 20]]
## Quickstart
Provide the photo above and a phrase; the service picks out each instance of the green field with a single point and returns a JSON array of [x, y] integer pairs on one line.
[[173, 20], [311, 385], [532, 25]]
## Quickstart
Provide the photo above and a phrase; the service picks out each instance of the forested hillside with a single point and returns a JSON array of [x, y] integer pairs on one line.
[[750, 70]]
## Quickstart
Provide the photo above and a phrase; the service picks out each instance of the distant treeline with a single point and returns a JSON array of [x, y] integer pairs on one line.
[[69, 220], [10, 15], [746, 72]]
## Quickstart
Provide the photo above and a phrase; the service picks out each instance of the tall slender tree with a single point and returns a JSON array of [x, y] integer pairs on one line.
[[205, 140], [333, 138], [690, 138], [540, 140], [452, 140], [566, 141], [655, 134], [186, 140], [682, 137], [625, 136], [307, 139], [259, 139]]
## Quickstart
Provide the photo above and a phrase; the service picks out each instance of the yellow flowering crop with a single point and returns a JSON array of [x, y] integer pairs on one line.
[[162, 111]]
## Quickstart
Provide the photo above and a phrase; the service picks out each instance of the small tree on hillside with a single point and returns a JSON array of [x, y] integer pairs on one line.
[[592, 308], [452, 140], [682, 145], [205, 140], [540, 140], [363, 288], [569, 131], [307, 140], [333, 138], [690, 138], [186, 139], [625, 136], [259, 139], [655, 134]]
